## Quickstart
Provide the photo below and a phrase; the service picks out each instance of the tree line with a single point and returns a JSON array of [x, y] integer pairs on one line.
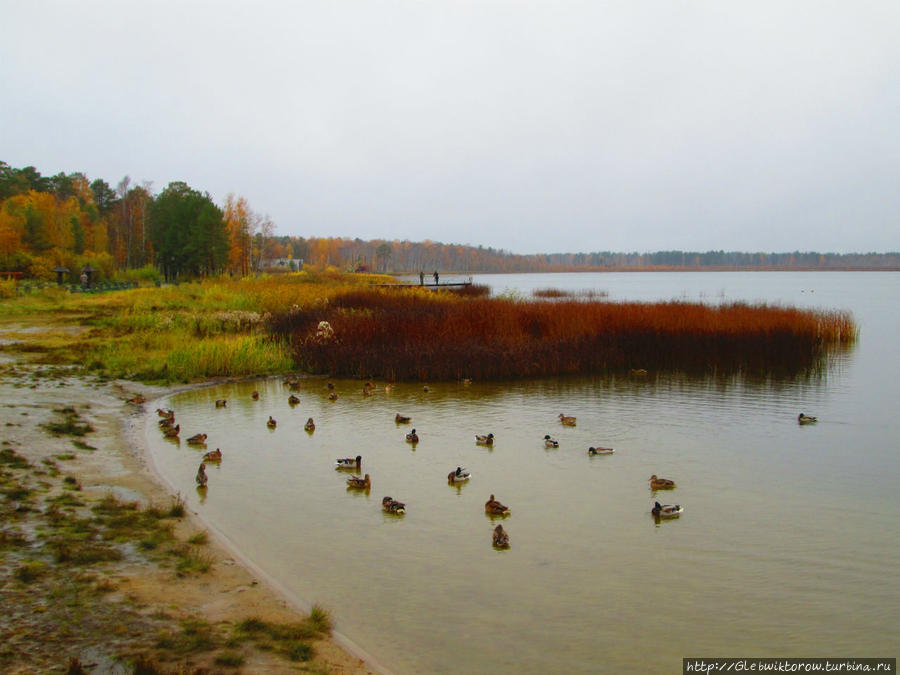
[[66, 220]]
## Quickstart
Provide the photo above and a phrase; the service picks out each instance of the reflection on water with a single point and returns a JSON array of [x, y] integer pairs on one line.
[[784, 534]]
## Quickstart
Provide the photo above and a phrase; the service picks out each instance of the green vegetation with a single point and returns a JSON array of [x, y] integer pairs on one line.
[[71, 424]]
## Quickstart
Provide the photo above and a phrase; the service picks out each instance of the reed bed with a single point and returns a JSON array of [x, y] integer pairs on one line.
[[432, 336]]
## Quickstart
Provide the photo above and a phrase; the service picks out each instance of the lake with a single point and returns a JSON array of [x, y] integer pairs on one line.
[[787, 546]]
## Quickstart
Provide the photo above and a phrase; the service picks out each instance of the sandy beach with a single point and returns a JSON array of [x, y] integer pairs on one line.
[[139, 598]]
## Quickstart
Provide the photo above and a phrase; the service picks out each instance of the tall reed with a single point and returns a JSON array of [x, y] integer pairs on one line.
[[419, 335]]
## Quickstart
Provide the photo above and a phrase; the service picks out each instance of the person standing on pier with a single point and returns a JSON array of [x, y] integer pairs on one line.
[[435, 278], [421, 278]]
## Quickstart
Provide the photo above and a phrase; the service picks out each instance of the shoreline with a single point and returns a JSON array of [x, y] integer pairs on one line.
[[114, 460], [137, 437]]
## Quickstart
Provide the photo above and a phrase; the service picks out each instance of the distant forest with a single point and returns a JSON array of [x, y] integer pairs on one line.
[[67, 220]]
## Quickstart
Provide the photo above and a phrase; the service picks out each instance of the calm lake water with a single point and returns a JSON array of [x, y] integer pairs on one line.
[[787, 546]]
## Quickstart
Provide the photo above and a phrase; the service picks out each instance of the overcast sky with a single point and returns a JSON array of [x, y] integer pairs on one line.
[[529, 126]]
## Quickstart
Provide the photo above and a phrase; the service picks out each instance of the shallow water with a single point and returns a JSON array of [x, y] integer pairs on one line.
[[787, 546]]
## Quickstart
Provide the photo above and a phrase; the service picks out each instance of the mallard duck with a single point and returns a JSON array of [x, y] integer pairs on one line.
[[426, 389], [600, 451], [459, 476], [172, 432], [166, 423], [484, 440], [213, 456], [661, 483], [391, 505], [221, 403], [495, 508], [197, 439], [388, 388], [349, 462], [666, 510], [333, 396], [359, 483], [550, 442], [310, 425], [500, 538], [568, 421], [137, 399], [412, 437], [293, 400], [330, 385], [255, 395], [806, 419], [201, 475], [402, 419], [165, 412], [271, 423]]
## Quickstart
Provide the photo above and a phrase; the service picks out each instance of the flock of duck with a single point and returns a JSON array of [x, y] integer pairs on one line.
[[359, 481]]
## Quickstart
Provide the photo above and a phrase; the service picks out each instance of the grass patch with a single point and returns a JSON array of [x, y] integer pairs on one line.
[[31, 571], [199, 539], [66, 456], [71, 424], [195, 636], [191, 560], [81, 445], [12, 539], [12, 459], [229, 658]]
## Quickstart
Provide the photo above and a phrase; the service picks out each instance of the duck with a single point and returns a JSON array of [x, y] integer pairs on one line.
[[333, 396], [359, 483], [221, 403], [806, 419], [137, 399], [213, 456], [201, 475], [166, 423], [600, 451], [165, 412], [666, 510], [412, 437], [310, 425], [500, 537], [271, 423], [495, 508], [426, 389], [461, 475], [661, 483], [197, 439], [567, 421], [638, 371], [172, 432], [349, 462], [402, 419], [388, 388], [467, 381], [366, 391], [550, 442], [484, 440], [293, 400], [391, 505], [330, 385], [255, 395]]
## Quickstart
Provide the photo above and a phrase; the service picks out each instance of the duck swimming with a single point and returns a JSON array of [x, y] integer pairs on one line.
[[401, 419], [359, 483], [412, 437], [165, 412], [600, 451], [390, 505], [661, 483], [293, 400], [271, 423], [255, 395], [806, 419], [495, 508], [201, 476], [666, 510], [333, 396], [349, 462], [221, 403], [500, 537], [484, 440], [172, 432], [461, 475], [568, 421], [213, 456], [310, 425], [197, 439], [550, 442]]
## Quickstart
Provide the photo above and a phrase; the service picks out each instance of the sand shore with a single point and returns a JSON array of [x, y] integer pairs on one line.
[[35, 639]]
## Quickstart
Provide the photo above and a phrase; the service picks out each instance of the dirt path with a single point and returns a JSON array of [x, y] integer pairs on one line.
[[137, 606]]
